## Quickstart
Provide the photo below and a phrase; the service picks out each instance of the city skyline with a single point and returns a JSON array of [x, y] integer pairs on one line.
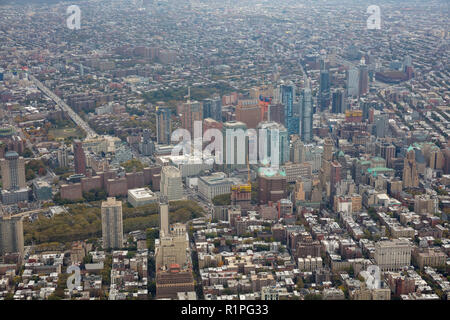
[[224, 151]]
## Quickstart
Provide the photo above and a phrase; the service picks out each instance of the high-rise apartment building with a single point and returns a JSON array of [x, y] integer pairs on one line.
[[13, 171], [410, 173], [235, 145], [79, 158], [324, 90], [171, 185], [163, 125], [306, 122], [112, 225], [363, 78], [381, 125], [191, 111], [146, 146], [436, 159], [325, 167], [276, 143], [335, 175], [276, 113], [13, 179], [250, 114], [11, 234], [63, 159], [212, 108], [288, 101], [328, 149], [337, 101], [353, 82], [386, 151], [298, 151]]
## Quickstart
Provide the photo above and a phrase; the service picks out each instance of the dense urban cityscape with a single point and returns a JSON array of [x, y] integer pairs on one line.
[[330, 173]]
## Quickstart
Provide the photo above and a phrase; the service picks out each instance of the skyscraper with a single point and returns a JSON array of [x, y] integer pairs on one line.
[[112, 227], [410, 174], [353, 82], [288, 100], [387, 152], [365, 107], [407, 67], [163, 125], [250, 114], [63, 160], [13, 178], [275, 131], [328, 149], [324, 90], [212, 108], [79, 158], [173, 268], [327, 157], [337, 104], [436, 159], [407, 62], [276, 113], [191, 111], [235, 145], [335, 176], [172, 247], [207, 108], [306, 124], [13, 171], [381, 125], [146, 147], [171, 185], [11, 234], [298, 153], [363, 78]]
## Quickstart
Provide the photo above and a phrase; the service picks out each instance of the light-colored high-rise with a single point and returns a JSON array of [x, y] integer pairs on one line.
[[11, 234], [63, 159], [164, 219], [353, 82], [276, 146], [393, 255], [172, 248], [236, 140], [13, 171], [171, 185], [306, 120], [112, 226]]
